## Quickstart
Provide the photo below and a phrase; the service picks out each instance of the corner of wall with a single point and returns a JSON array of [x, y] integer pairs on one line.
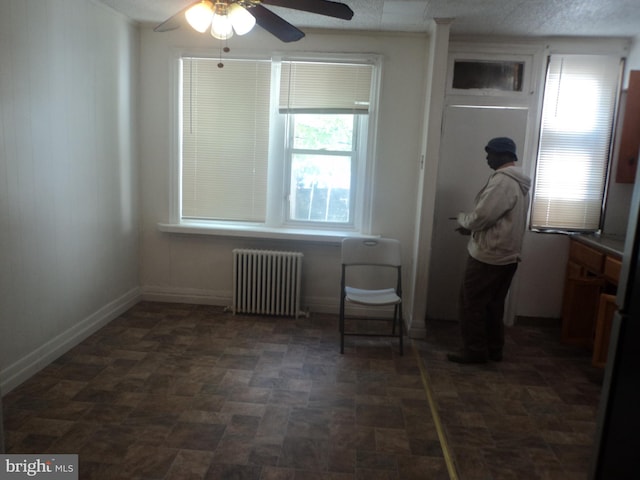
[[30, 364]]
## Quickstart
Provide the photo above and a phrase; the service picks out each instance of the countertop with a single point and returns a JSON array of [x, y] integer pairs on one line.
[[610, 244]]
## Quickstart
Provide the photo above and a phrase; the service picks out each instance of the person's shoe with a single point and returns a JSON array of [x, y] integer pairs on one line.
[[466, 358], [495, 355]]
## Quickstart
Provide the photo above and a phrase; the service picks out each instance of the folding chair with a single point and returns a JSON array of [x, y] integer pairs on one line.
[[375, 260]]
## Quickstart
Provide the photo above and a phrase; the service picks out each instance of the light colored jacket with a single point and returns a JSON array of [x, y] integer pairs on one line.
[[498, 220]]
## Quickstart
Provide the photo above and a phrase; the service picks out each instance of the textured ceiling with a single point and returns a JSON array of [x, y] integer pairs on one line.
[[481, 17]]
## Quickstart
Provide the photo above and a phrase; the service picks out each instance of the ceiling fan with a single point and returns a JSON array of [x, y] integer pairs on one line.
[[224, 17]]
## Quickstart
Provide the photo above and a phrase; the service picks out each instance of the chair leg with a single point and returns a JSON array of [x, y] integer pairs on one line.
[[401, 338], [341, 324], [395, 316], [400, 329]]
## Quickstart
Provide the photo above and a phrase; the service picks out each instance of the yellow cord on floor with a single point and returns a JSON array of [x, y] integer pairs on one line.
[[436, 417]]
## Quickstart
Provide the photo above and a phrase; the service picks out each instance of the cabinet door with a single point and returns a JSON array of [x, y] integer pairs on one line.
[[606, 309], [611, 270], [579, 307], [586, 256]]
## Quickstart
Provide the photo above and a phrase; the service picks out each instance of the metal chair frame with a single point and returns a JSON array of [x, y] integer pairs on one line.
[[385, 254]]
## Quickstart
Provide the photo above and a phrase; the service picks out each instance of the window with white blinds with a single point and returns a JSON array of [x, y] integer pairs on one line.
[[225, 139], [575, 142], [236, 153]]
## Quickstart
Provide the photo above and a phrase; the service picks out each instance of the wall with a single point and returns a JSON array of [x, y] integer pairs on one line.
[[633, 59], [68, 177], [428, 178], [198, 268], [540, 278], [538, 287]]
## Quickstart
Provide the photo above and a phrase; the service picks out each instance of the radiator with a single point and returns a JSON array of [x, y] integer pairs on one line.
[[266, 282]]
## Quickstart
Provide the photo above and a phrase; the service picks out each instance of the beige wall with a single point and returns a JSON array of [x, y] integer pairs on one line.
[[198, 268], [68, 177]]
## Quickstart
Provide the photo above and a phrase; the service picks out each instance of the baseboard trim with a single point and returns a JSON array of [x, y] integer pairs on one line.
[[186, 295], [310, 305], [32, 363], [526, 321], [224, 299], [418, 332]]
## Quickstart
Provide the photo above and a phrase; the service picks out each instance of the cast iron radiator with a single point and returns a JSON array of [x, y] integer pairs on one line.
[[266, 282]]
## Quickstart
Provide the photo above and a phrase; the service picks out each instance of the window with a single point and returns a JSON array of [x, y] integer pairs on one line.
[[472, 71], [276, 143], [498, 75], [575, 142], [323, 157]]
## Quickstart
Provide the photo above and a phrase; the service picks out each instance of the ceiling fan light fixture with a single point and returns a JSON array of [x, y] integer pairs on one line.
[[200, 15], [241, 19], [221, 27]]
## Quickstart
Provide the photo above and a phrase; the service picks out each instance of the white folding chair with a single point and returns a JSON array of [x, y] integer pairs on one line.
[[374, 287]]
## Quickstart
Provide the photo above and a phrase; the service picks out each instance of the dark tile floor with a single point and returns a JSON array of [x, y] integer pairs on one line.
[[189, 392], [532, 416], [172, 391]]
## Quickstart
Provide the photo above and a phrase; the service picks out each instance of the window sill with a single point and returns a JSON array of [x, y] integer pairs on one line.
[[254, 231]]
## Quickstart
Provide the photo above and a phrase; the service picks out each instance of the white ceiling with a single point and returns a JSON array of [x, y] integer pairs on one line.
[[472, 17]]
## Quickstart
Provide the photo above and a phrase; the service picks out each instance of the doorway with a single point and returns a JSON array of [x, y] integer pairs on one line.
[[463, 171]]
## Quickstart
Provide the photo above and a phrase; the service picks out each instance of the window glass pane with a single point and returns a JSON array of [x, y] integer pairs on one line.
[[575, 140], [320, 188], [323, 132], [506, 76]]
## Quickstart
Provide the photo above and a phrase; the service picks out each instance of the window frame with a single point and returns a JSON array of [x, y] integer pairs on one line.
[[525, 59], [277, 224], [607, 164]]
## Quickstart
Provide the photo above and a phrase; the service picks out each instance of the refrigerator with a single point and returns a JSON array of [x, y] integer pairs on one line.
[[617, 445]]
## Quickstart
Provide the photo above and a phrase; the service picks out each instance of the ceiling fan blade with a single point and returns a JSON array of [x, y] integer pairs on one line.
[[275, 24], [174, 22], [322, 7]]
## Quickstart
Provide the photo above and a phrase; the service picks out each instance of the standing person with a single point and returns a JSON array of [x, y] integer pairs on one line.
[[496, 227]]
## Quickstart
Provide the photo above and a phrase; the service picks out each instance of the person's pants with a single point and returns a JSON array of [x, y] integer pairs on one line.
[[481, 307]]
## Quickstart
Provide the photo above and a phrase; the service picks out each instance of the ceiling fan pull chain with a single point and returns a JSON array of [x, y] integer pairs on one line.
[[224, 49]]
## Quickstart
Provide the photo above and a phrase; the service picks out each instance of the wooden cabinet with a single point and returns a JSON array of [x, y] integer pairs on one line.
[[606, 309], [589, 299], [579, 308], [630, 136]]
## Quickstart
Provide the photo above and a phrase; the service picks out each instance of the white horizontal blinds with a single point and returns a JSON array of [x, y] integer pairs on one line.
[[225, 139], [575, 139], [320, 87]]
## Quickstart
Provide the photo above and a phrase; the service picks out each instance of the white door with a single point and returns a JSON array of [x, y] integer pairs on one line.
[[462, 172]]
